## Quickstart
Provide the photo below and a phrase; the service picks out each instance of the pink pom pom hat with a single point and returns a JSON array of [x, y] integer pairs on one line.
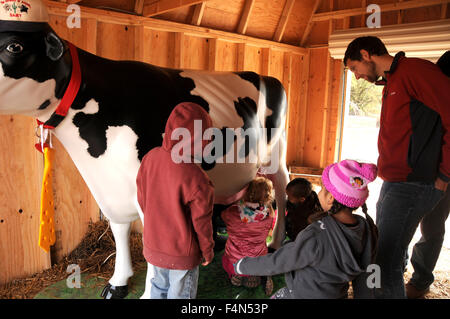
[[347, 181]]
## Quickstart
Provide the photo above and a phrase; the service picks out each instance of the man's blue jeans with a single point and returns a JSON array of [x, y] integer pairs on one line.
[[400, 208], [426, 251], [174, 284]]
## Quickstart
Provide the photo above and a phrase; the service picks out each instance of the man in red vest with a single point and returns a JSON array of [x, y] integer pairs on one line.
[[414, 150]]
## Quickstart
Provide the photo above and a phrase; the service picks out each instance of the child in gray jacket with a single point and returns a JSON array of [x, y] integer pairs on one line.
[[333, 251]]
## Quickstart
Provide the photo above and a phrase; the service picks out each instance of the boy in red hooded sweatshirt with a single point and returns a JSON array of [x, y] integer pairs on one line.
[[177, 199]]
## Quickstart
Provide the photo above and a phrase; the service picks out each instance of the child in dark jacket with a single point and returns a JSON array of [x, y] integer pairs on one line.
[[332, 251], [177, 199], [302, 202]]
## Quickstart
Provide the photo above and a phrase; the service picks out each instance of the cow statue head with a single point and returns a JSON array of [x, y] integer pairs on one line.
[[34, 66]]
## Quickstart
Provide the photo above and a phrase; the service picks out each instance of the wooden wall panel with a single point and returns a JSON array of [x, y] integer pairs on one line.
[[252, 59], [157, 46], [315, 109], [296, 112], [276, 67], [20, 173], [335, 104], [195, 53], [115, 41], [227, 56]]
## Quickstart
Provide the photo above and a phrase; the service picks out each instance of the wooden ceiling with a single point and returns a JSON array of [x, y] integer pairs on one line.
[[305, 23]]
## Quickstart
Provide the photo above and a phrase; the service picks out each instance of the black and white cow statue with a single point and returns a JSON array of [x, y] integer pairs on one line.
[[114, 112]]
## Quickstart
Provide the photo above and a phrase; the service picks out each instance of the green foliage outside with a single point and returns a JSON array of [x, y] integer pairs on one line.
[[365, 98]]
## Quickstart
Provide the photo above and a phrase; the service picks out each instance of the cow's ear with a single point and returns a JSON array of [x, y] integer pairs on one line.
[[54, 46]]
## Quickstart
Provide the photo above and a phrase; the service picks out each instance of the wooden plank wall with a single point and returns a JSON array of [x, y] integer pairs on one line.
[[124, 37]]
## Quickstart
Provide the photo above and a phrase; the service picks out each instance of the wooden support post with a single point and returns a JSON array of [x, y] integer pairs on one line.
[[287, 80], [363, 16], [241, 47], [90, 36], [302, 114], [178, 50], [399, 15], [139, 43], [326, 111], [265, 69], [212, 54]]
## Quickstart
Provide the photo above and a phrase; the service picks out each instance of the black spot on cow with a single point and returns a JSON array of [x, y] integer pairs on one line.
[[44, 105], [139, 89], [247, 108], [275, 95], [251, 77]]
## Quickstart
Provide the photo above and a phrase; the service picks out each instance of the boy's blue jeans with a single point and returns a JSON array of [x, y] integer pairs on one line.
[[174, 284], [400, 208]]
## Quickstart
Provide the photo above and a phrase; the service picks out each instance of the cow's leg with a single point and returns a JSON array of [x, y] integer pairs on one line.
[[123, 270], [279, 178], [150, 274]]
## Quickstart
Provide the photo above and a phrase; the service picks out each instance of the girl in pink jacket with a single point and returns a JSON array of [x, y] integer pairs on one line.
[[248, 223]]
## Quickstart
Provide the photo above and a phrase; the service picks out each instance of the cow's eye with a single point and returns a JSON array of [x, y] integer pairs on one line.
[[14, 48]]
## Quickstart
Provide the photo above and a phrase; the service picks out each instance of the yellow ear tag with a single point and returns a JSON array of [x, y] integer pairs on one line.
[[47, 223]]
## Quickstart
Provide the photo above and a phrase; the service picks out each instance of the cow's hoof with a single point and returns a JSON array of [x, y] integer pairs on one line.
[[114, 292]]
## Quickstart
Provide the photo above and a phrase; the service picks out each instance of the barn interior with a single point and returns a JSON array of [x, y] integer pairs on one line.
[[299, 42]]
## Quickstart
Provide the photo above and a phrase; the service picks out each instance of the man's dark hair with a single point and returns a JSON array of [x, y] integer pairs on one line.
[[300, 187], [444, 63], [373, 46]]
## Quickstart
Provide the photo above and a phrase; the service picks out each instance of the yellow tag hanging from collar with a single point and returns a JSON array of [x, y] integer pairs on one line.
[[47, 212]]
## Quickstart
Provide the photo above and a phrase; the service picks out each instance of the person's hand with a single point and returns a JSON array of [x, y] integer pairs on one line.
[[274, 245], [440, 184], [206, 262]]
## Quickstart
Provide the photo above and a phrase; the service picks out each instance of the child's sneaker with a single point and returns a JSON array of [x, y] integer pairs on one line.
[[236, 280]]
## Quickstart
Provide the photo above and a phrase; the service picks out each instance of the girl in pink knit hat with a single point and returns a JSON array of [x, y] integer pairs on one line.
[[335, 249], [344, 189]]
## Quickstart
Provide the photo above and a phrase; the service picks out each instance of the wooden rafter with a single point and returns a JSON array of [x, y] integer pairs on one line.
[[283, 20], [70, 1], [139, 6], [404, 5], [248, 6], [158, 7], [310, 23], [198, 13]]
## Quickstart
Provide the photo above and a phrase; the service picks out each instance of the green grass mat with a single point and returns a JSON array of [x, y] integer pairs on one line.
[[213, 284]]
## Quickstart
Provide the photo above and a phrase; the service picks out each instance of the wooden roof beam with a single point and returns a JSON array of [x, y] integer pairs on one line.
[[248, 6], [310, 23], [158, 7], [404, 5], [70, 1], [443, 10], [139, 6], [283, 21], [198, 13]]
